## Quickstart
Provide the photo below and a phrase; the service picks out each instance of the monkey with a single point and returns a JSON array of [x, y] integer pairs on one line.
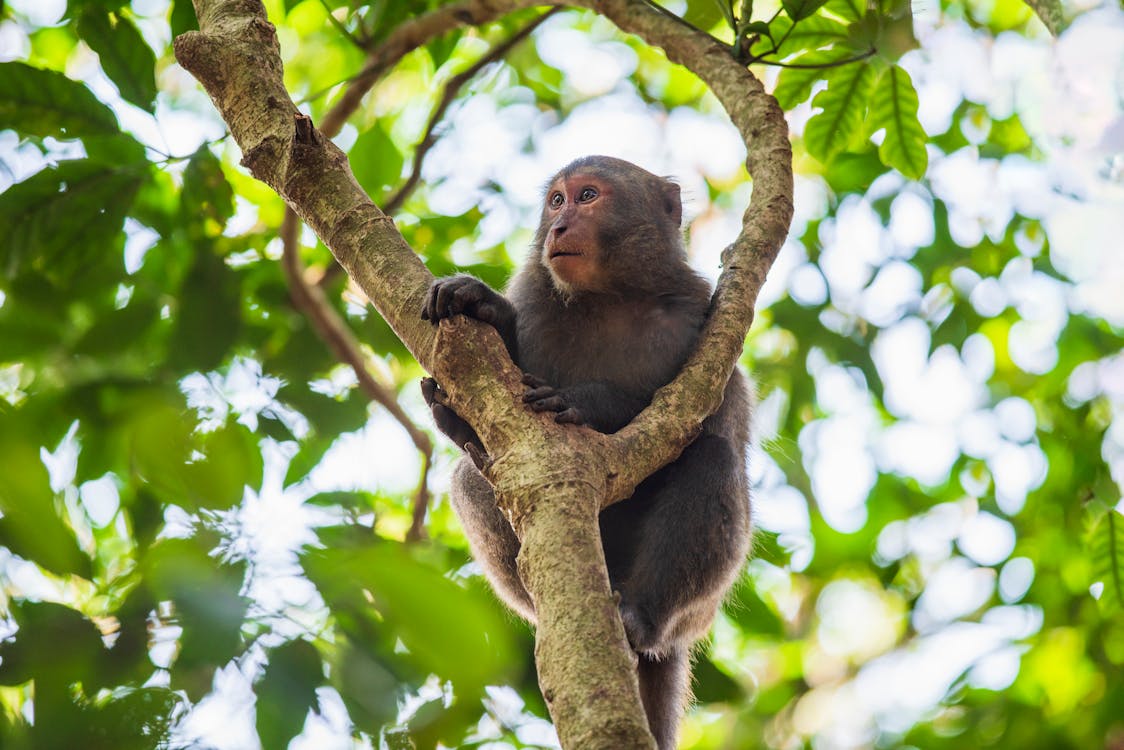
[[604, 311]]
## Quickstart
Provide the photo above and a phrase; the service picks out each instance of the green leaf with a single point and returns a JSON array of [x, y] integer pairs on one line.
[[376, 161], [794, 85], [894, 108], [287, 691], [1105, 539], [209, 318], [55, 646], [45, 103], [801, 9], [368, 688], [183, 17], [848, 10], [208, 607], [810, 33], [711, 684], [62, 220], [231, 462], [30, 527], [418, 603], [843, 103], [206, 193], [125, 56], [705, 14]]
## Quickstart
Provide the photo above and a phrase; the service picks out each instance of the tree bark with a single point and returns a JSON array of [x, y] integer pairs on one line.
[[550, 479]]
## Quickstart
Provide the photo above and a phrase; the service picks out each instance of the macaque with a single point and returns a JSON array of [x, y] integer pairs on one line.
[[604, 312]]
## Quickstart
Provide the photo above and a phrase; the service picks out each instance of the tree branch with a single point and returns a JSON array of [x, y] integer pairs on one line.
[[551, 479], [1051, 14]]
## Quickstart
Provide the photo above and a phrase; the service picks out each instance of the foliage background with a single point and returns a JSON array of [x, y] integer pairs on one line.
[[203, 539]]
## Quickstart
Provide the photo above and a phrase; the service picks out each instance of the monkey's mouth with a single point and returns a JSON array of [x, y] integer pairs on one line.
[[564, 253]]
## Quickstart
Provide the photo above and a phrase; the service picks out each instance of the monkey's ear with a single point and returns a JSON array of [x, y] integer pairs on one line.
[[671, 202]]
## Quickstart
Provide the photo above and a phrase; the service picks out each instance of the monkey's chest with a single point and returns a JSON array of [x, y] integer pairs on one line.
[[630, 351]]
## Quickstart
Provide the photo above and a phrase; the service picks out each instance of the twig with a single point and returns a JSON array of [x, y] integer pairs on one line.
[[310, 300], [822, 66]]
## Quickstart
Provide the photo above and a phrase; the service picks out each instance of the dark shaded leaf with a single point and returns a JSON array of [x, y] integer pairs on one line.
[[35, 653], [376, 161], [287, 691], [206, 193], [208, 606], [125, 56], [42, 102], [209, 318], [62, 220], [712, 685]]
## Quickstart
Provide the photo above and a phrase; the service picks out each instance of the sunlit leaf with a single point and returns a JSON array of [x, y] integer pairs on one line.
[[125, 57], [31, 526], [894, 107], [800, 9], [794, 84], [843, 104]]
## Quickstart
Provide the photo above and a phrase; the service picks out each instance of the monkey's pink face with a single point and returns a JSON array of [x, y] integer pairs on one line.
[[575, 209]]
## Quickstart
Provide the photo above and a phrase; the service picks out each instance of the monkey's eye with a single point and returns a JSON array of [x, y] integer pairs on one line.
[[556, 200], [587, 194]]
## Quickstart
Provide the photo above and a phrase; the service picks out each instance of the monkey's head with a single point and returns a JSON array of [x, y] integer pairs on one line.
[[607, 226]]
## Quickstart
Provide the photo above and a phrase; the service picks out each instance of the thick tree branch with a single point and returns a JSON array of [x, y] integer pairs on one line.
[[1051, 14], [550, 479]]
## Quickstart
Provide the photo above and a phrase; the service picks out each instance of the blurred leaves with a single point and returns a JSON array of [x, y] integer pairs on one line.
[[39, 102], [124, 55]]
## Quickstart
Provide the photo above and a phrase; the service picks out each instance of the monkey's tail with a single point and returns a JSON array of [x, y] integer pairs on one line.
[[665, 691]]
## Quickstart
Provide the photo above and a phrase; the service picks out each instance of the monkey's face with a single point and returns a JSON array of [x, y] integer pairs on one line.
[[578, 207]]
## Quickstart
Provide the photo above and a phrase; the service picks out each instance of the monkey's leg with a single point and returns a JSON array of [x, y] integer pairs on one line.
[[693, 541], [490, 537], [664, 690]]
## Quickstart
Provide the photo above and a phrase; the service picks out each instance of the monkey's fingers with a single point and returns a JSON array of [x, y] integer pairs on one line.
[[569, 416], [465, 298], [432, 392], [533, 380], [548, 403]]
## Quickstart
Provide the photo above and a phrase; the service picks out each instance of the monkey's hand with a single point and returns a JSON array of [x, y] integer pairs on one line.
[[449, 422], [465, 295], [541, 396]]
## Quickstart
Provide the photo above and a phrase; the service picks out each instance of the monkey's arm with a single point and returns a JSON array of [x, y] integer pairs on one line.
[[467, 295], [604, 406]]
